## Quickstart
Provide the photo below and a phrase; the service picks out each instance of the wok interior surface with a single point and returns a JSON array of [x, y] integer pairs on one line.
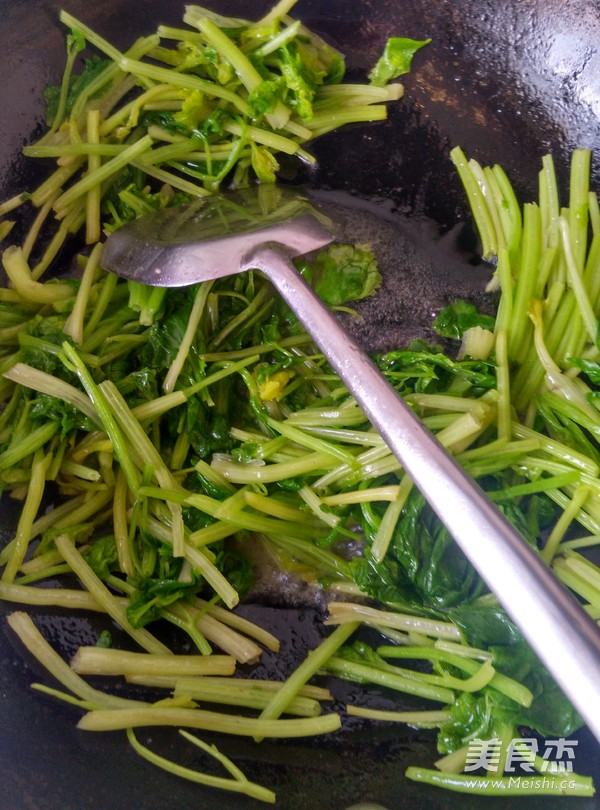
[[508, 82]]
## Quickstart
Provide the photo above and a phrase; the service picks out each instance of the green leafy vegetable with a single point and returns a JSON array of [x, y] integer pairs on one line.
[[396, 59]]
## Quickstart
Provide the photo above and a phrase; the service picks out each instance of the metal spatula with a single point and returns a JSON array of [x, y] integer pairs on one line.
[[264, 228]]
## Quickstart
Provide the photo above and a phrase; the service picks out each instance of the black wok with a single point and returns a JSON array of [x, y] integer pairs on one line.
[[507, 81]]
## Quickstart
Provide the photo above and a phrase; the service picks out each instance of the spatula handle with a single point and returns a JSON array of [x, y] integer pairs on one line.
[[558, 629]]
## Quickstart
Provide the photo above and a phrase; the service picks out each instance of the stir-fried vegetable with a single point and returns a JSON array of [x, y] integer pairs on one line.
[[176, 429]]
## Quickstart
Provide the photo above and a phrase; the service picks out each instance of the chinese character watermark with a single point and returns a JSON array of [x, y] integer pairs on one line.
[[522, 755]]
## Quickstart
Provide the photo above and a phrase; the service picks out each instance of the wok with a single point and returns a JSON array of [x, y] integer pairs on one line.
[[508, 82]]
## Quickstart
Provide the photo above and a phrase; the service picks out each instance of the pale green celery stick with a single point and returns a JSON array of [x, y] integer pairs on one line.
[[450, 403], [342, 612], [251, 629], [74, 324], [534, 785], [230, 507], [478, 675], [48, 597], [239, 685], [385, 531], [80, 471], [292, 342], [111, 661], [235, 156], [346, 96], [562, 524], [529, 377], [228, 693], [417, 719], [302, 674], [34, 231], [563, 568], [31, 377], [276, 142], [149, 411], [487, 183], [185, 80], [179, 34], [73, 149], [242, 518], [574, 272], [53, 184], [23, 446], [594, 212], [201, 558], [591, 273], [188, 336], [478, 203], [578, 206], [229, 640], [30, 636], [23, 536], [454, 762], [549, 203], [463, 431], [80, 509], [294, 551], [278, 12], [580, 542], [211, 475], [91, 36], [411, 684], [121, 526], [173, 151], [313, 443], [588, 519], [390, 492], [211, 534], [186, 624], [118, 83], [313, 502], [585, 568], [239, 784], [549, 258], [462, 650], [29, 289], [103, 596], [284, 36], [112, 720], [71, 223], [127, 116], [268, 473], [504, 276], [518, 333], [343, 472], [508, 208], [106, 171], [539, 485], [557, 380], [270, 505], [74, 46], [14, 202], [323, 122], [145, 300], [92, 209], [245, 70], [104, 300], [171, 179], [504, 405], [259, 299], [360, 437], [106, 415]]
